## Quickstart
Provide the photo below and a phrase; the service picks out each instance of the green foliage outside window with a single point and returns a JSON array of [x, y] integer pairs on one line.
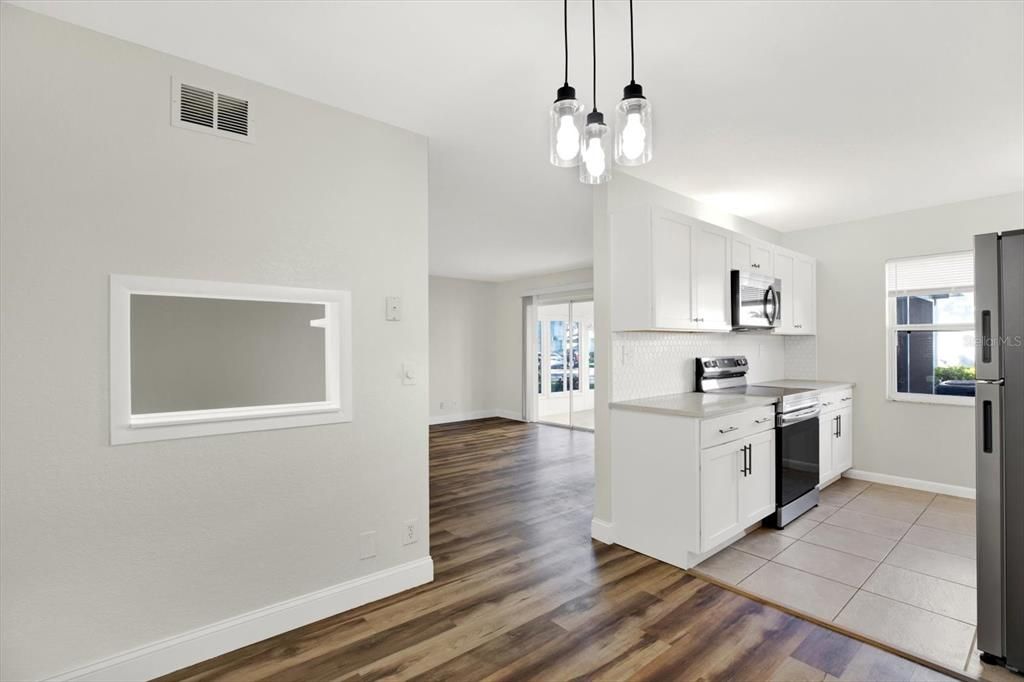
[[954, 373]]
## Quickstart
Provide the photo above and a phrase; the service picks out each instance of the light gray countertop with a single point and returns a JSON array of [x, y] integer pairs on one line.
[[705, 405], [698, 405], [807, 383]]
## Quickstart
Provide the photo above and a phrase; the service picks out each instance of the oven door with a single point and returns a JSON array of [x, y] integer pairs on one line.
[[755, 300], [796, 453]]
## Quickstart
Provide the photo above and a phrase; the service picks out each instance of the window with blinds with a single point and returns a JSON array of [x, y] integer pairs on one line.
[[930, 328]]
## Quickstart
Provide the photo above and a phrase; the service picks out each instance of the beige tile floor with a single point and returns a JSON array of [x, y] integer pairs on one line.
[[895, 564]]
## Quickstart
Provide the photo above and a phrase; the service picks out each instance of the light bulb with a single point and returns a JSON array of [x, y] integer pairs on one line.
[[567, 140], [594, 157], [633, 137]]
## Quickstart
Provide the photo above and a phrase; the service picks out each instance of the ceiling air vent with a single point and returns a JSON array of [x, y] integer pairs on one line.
[[205, 110]]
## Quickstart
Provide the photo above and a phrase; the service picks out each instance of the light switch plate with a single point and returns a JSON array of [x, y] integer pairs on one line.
[[393, 308], [368, 544], [409, 374]]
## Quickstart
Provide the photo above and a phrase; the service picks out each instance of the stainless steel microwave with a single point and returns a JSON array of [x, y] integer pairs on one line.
[[756, 301]]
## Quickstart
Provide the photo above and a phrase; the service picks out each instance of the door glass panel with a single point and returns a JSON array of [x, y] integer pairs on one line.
[[590, 354], [540, 357], [556, 358], [574, 356]]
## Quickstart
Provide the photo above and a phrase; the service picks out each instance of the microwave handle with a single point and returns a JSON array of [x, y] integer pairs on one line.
[[770, 293]]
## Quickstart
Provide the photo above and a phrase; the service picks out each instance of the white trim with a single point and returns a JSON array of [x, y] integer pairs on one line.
[[337, 323], [462, 417], [509, 414], [931, 399], [602, 531], [200, 644], [915, 483]]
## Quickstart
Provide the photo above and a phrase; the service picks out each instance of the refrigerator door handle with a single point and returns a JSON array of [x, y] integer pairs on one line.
[[990, 521]]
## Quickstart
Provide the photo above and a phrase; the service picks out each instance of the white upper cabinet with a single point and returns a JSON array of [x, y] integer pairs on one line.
[[752, 255], [710, 267], [668, 272], [797, 273], [672, 290]]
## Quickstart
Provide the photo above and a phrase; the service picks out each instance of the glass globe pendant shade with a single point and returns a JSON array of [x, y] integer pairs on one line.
[[595, 162], [565, 129], [633, 128]]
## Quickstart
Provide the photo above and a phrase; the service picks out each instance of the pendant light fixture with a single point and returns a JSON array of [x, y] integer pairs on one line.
[[633, 116], [595, 166], [566, 113]]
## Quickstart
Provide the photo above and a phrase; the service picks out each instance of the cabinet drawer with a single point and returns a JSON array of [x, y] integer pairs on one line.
[[834, 400], [732, 426]]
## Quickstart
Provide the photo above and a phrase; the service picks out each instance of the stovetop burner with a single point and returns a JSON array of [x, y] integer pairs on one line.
[[729, 375]]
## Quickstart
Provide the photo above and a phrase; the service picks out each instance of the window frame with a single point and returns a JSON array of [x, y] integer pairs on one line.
[[126, 427], [892, 330]]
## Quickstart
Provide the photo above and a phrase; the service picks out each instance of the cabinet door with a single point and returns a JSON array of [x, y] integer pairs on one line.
[[843, 449], [757, 486], [670, 264], [719, 494], [803, 296], [751, 255], [826, 439], [710, 267], [784, 261]]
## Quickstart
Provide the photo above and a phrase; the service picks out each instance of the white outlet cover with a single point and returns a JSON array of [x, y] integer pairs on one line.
[[409, 532], [368, 544], [393, 309]]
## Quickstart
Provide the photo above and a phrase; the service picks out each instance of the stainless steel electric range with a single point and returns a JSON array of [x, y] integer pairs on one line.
[[796, 433]]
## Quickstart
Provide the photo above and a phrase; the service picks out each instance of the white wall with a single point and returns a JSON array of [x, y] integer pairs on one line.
[[657, 362], [107, 548], [462, 349], [922, 441]]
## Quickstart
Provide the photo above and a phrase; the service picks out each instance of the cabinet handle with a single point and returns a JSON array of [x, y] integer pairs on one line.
[[835, 427], [750, 459], [763, 420], [840, 418], [825, 404], [849, 397], [731, 428], [798, 326]]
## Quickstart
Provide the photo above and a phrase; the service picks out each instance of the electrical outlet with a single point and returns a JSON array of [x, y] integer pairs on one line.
[[368, 544], [393, 309], [409, 535]]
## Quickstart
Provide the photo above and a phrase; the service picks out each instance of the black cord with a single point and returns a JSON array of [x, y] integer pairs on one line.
[[593, 36], [632, 55], [565, 27]]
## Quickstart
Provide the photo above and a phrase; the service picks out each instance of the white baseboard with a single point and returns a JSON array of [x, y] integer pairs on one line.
[[508, 414], [462, 417], [602, 531], [915, 483], [188, 648]]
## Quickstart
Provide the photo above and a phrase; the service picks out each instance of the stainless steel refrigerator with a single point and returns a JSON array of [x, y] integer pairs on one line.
[[999, 432]]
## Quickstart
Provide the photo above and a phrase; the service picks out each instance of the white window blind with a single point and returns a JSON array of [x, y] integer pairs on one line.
[[947, 272]]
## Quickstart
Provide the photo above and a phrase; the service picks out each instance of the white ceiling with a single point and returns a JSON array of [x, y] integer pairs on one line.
[[791, 114]]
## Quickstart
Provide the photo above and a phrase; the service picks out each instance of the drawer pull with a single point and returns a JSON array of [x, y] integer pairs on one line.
[[762, 420], [826, 404], [731, 428], [849, 397]]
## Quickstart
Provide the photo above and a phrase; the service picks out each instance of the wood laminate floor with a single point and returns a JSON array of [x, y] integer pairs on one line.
[[522, 592]]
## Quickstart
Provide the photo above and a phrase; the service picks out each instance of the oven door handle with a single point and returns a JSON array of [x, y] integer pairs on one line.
[[799, 416]]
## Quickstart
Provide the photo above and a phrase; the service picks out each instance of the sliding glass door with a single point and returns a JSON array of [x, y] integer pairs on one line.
[[564, 356]]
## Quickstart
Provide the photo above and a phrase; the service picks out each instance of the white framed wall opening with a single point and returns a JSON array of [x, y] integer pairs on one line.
[[561, 371], [194, 358]]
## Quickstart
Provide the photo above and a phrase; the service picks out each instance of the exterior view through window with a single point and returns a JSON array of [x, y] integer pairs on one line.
[[931, 328]]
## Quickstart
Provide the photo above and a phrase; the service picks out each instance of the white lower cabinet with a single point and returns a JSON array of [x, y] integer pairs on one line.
[[682, 486], [835, 435], [737, 487]]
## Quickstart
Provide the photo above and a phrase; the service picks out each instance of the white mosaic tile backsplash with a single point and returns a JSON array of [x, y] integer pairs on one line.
[[801, 357], [646, 364]]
